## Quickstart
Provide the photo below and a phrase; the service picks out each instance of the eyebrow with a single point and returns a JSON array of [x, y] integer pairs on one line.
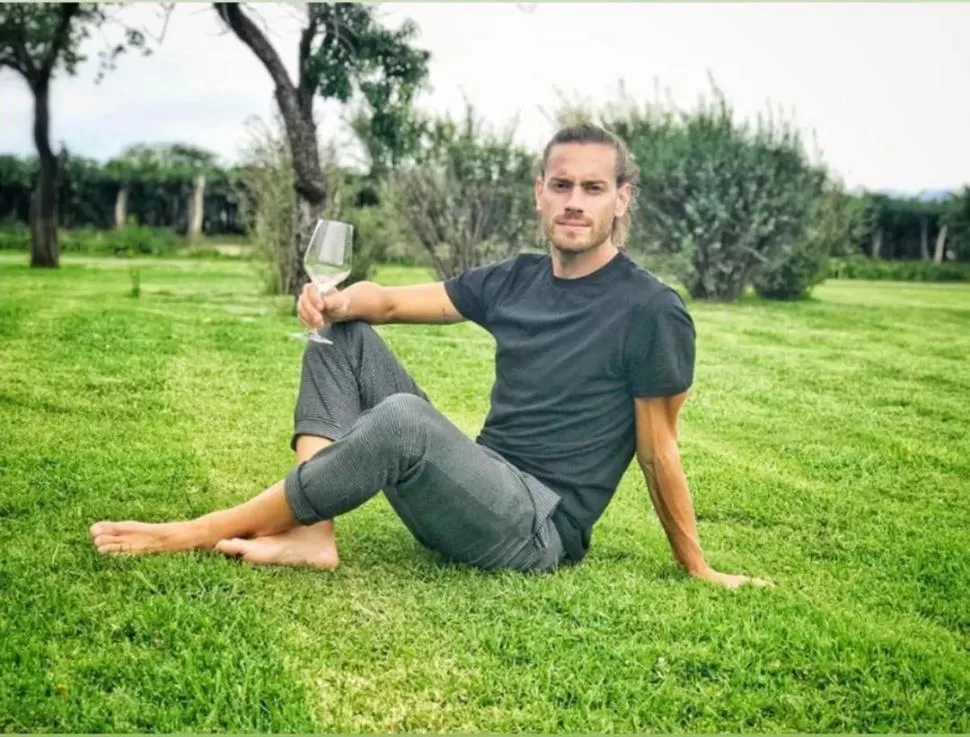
[[568, 180]]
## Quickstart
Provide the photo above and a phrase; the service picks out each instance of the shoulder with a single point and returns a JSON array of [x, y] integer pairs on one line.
[[517, 270], [645, 293], [523, 262]]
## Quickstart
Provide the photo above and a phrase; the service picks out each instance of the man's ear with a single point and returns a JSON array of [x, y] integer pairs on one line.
[[623, 196], [538, 193]]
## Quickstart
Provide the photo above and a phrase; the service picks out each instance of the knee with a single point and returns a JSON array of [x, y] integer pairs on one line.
[[403, 412], [402, 421]]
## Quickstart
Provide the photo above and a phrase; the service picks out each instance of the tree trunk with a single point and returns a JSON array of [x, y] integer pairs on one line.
[[876, 243], [308, 180], [44, 252], [196, 208], [940, 246], [121, 206], [924, 238]]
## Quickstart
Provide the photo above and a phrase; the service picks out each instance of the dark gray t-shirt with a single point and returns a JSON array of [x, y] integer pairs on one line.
[[571, 354]]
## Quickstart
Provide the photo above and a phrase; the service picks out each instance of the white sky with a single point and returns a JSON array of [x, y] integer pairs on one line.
[[884, 86]]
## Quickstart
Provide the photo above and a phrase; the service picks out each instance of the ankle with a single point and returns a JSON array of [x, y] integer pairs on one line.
[[202, 532]]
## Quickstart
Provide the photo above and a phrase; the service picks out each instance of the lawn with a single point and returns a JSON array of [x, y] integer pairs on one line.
[[827, 445]]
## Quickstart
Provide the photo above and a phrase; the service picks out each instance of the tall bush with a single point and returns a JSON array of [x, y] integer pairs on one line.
[[468, 199], [835, 225], [718, 198]]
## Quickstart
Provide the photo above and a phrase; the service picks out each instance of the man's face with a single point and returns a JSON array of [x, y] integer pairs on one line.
[[578, 197]]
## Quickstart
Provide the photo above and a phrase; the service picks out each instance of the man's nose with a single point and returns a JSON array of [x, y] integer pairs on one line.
[[575, 201]]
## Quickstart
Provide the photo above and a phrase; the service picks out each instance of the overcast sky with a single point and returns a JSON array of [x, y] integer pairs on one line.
[[883, 86]]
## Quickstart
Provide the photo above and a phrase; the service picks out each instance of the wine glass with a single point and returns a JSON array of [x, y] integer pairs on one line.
[[327, 261]]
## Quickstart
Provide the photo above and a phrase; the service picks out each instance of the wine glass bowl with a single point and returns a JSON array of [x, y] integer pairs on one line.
[[327, 261]]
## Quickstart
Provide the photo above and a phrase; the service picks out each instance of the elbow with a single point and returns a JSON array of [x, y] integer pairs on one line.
[[660, 458]]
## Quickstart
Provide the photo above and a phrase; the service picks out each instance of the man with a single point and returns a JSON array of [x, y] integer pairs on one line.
[[594, 361]]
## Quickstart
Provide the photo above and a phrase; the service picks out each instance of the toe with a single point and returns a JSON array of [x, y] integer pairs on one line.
[[113, 547], [233, 546]]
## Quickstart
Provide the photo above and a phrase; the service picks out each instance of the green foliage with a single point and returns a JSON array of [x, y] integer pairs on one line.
[[159, 181], [30, 31], [131, 240], [468, 199], [140, 239], [834, 227], [863, 267], [724, 197], [956, 217], [900, 227], [390, 72], [14, 238]]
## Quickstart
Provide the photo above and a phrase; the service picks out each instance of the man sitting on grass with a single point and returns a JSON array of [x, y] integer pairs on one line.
[[594, 360]]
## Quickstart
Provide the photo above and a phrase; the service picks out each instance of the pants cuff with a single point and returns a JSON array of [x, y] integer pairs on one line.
[[317, 428], [297, 499]]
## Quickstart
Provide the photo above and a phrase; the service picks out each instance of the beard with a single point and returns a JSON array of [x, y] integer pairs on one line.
[[574, 243]]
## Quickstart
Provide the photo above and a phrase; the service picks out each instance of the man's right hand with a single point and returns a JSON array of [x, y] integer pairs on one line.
[[315, 310]]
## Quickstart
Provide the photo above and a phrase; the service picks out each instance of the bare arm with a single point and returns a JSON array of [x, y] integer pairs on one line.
[[370, 302], [659, 459]]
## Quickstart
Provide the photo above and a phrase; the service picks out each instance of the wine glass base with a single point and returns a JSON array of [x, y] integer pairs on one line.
[[312, 337]]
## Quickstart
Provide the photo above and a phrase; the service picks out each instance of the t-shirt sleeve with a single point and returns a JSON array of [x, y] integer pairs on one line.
[[474, 291], [660, 347]]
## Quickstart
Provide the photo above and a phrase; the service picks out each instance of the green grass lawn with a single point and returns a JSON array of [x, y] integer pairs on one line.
[[827, 444]]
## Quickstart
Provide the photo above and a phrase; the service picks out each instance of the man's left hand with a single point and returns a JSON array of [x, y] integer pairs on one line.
[[730, 581]]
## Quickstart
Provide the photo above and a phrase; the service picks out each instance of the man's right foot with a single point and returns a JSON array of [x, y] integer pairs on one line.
[[312, 545]]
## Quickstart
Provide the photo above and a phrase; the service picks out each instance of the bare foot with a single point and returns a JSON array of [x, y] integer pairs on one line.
[[139, 538], [313, 545]]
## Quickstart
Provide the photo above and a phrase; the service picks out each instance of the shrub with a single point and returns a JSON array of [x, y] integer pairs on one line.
[[14, 238], [721, 197], [863, 267], [131, 240], [468, 199], [835, 224]]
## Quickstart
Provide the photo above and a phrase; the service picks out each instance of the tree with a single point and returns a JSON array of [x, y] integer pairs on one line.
[[343, 52], [35, 41]]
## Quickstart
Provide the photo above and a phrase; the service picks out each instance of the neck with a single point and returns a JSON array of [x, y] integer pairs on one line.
[[566, 265]]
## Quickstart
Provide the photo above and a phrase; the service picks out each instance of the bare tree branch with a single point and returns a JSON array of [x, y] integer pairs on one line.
[[15, 61], [249, 34], [300, 128], [67, 11]]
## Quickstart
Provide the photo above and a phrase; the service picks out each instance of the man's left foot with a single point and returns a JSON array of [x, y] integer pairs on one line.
[[313, 545], [139, 538]]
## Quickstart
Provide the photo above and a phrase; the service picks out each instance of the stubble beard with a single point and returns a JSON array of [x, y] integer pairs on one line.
[[570, 252]]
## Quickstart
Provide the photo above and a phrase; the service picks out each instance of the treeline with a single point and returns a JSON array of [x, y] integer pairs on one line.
[[721, 205], [155, 186]]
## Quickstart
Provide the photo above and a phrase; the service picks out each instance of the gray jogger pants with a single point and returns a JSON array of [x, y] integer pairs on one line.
[[455, 496]]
